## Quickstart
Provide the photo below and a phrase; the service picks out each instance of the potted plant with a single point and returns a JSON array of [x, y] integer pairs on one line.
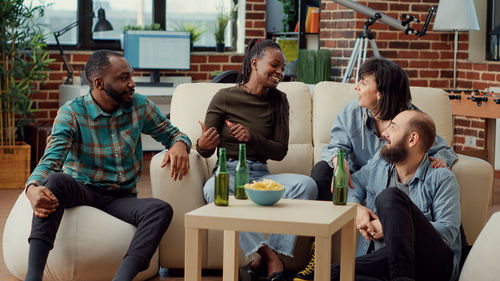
[[23, 63], [221, 21], [289, 9], [195, 31], [154, 26]]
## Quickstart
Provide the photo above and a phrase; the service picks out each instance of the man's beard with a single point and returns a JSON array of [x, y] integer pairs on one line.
[[396, 153], [117, 97]]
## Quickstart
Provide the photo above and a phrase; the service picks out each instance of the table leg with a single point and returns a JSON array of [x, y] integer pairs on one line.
[[192, 260], [348, 251], [230, 257], [323, 258]]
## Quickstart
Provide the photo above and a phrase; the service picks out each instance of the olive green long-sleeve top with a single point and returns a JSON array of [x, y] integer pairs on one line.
[[252, 111]]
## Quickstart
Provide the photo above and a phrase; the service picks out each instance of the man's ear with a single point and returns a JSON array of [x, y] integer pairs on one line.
[[413, 139], [98, 83]]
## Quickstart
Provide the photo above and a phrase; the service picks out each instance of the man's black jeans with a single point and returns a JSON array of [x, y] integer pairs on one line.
[[150, 216], [413, 249]]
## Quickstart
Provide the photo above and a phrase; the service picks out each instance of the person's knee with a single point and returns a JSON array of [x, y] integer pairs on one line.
[[388, 198], [320, 170], [208, 190], [307, 187], [161, 210], [56, 182]]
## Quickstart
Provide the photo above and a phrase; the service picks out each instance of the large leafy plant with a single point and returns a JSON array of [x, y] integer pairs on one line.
[[23, 63]]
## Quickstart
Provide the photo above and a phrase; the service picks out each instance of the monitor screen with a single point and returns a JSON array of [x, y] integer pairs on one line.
[[146, 49]]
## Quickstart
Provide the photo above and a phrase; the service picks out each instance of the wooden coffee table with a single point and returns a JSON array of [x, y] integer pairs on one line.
[[320, 219]]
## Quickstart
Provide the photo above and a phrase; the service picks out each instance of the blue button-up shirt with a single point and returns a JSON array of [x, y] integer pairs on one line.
[[434, 191], [103, 149], [354, 131]]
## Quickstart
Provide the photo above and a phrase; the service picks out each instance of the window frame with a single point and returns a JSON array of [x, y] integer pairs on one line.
[[85, 41], [490, 15]]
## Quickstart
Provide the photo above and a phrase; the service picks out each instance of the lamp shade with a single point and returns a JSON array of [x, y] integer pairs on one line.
[[456, 15], [102, 23]]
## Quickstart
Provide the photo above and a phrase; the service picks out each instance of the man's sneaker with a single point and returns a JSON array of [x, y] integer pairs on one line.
[[308, 272]]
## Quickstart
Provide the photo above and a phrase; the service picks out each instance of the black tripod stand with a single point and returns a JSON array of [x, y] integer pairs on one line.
[[361, 44]]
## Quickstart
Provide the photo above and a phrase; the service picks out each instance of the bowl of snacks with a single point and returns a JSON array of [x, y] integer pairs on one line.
[[264, 193]]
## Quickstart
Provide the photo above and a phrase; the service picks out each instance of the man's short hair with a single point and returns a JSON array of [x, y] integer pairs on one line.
[[97, 64], [423, 124]]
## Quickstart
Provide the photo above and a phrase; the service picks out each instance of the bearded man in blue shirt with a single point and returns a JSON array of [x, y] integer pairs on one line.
[[94, 157], [410, 223]]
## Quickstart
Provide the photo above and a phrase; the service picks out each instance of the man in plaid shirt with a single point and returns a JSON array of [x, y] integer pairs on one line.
[[94, 157]]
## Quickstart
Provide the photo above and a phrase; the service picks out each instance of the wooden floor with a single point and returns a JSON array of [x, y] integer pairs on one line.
[[8, 198]]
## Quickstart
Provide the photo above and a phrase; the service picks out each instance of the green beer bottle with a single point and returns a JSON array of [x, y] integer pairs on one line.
[[340, 181], [221, 192], [241, 173]]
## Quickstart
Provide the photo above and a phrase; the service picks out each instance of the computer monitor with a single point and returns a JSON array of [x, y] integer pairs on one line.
[[156, 50]]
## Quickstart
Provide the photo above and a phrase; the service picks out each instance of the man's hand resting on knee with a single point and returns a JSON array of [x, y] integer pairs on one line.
[[43, 202], [178, 157]]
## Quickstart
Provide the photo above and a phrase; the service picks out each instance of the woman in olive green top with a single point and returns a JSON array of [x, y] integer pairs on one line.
[[254, 112]]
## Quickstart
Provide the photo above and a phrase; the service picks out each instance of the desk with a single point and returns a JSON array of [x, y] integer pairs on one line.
[[161, 96], [320, 219]]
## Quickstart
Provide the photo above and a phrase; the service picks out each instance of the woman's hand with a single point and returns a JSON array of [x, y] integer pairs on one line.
[[209, 139], [436, 163], [346, 165], [239, 132]]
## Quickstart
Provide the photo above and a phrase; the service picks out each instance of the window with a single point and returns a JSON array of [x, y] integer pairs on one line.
[[168, 13], [200, 14], [58, 15]]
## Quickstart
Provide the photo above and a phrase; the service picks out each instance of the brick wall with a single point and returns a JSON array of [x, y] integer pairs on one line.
[[46, 100], [428, 60]]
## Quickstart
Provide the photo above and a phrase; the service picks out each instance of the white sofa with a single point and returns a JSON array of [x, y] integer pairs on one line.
[[482, 261], [313, 110]]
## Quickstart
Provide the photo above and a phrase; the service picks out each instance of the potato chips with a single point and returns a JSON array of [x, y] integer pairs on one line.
[[265, 184]]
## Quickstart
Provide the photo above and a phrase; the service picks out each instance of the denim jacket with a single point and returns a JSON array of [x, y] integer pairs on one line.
[[434, 191], [354, 131]]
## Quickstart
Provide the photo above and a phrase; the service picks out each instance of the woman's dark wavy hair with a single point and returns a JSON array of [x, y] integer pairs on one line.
[[392, 83], [256, 49]]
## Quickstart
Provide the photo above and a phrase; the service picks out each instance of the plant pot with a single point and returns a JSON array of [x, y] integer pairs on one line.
[[14, 165], [219, 47]]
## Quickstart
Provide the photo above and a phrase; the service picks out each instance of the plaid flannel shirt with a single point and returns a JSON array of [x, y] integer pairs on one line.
[[101, 149]]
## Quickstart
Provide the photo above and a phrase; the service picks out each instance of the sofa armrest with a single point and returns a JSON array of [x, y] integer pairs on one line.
[[184, 196], [475, 178]]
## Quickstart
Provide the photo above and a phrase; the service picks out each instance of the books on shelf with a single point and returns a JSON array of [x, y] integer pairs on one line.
[[312, 19]]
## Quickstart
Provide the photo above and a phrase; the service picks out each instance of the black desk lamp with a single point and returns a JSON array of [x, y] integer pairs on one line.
[[101, 25]]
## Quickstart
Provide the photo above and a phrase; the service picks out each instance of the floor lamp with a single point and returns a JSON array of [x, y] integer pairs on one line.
[[456, 15]]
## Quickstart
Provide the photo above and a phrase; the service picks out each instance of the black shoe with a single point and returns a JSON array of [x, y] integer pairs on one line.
[[277, 276], [248, 273]]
